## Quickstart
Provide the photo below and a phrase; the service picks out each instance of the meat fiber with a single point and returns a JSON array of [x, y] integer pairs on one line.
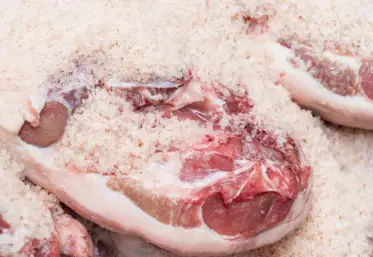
[[235, 188]]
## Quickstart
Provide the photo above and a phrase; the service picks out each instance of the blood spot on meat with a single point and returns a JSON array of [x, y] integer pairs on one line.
[[3, 224], [333, 75], [256, 25], [245, 218], [53, 119], [366, 77]]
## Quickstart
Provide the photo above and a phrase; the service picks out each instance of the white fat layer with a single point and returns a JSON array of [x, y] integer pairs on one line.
[[155, 84]]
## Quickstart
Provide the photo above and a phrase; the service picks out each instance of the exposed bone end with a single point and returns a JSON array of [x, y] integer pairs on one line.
[[53, 119], [73, 237]]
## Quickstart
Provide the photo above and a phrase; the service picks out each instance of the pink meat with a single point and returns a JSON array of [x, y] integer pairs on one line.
[[238, 189]]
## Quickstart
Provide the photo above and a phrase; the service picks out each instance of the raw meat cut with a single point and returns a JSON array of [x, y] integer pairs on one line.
[[320, 51], [181, 164], [334, 85]]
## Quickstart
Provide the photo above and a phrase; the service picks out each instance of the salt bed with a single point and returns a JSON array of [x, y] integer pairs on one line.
[[166, 38]]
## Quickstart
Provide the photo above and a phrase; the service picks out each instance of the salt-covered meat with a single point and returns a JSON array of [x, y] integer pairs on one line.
[[230, 188], [324, 61], [335, 86], [69, 237]]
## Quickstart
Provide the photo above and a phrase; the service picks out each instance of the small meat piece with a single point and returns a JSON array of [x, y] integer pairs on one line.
[[73, 237], [3, 224], [336, 87], [333, 75], [53, 119]]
